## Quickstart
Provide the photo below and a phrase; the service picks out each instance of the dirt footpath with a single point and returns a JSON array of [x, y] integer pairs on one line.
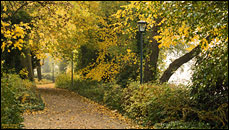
[[67, 110]]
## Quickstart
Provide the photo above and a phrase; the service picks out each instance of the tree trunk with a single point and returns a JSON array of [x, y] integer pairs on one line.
[[26, 62], [39, 71], [29, 64], [178, 62], [150, 68]]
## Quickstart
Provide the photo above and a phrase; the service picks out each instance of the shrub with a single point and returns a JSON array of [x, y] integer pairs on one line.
[[113, 96], [17, 95], [148, 104], [127, 75], [152, 103], [63, 81], [210, 86], [182, 125], [29, 97], [87, 88], [42, 81], [48, 76], [10, 108]]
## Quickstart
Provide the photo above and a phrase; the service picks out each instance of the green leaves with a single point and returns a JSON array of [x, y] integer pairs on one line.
[[17, 95], [210, 81]]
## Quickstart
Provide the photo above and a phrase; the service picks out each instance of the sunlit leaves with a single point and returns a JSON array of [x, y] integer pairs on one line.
[[13, 35], [181, 21]]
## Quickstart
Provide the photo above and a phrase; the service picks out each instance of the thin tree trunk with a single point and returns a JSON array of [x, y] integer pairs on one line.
[[29, 63], [178, 62], [150, 68], [39, 71], [26, 62]]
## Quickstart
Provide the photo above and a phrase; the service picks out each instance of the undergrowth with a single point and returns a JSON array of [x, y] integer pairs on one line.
[[17, 95], [162, 106]]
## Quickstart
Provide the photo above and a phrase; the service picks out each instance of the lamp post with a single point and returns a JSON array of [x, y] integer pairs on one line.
[[72, 69], [53, 78], [141, 28]]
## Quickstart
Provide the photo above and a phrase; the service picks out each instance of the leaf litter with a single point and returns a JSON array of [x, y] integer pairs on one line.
[[68, 110]]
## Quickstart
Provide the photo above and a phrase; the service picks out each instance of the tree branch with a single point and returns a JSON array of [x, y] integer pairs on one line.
[[26, 3], [180, 61]]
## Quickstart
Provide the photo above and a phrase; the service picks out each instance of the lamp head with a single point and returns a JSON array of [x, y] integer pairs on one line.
[[142, 25]]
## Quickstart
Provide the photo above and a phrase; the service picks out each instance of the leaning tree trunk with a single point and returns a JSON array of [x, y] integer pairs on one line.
[[178, 62]]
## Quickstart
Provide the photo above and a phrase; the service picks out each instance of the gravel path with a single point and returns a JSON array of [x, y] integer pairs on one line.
[[67, 110]]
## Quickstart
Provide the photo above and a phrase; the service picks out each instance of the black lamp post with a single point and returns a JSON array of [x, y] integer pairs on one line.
[[141, 28], [53, 78], [72, 69]]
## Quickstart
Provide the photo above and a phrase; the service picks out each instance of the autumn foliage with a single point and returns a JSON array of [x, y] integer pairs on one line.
[[102, 39]]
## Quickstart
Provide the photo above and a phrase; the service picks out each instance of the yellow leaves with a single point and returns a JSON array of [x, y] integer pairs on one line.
[[9, 42], [19, 30], [166, 38], [195, 38], [217, 40], [162, 21], [103, 70], [3, 46], [190, 47], [12, 35], [155, 16], [157, 37], [183, 30], [5, 8], [41, 34], [24, 97], [128, 50], [30, 42], [20, 41], [23, 72], [18, 45], [118, 14], [60, 12], [108, 70], [204, 44]]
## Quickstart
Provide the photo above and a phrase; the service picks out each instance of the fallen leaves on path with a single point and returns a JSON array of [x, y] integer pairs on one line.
[[68, 110]]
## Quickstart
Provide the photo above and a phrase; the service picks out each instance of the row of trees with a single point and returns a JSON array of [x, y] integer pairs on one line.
[[23, 39], [104, 35]]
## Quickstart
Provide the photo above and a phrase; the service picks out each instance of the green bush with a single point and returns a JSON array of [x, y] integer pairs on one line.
[[152, 103], [29, 98], [148, 104], [127, 75], [210, 85], [42, 81], [182, 125], [17, 95], [10, 108], [113, 96], [48, 76], [87, 88], [63, 81]]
